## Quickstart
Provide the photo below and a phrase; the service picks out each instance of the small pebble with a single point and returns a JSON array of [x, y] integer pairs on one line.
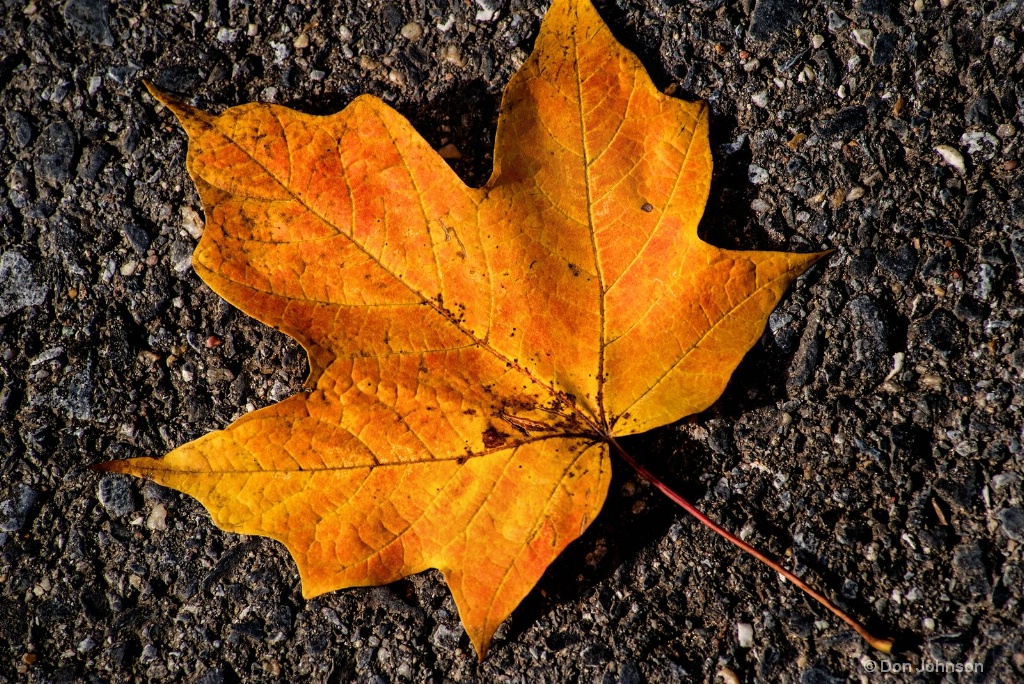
[[817, 40], [757, 175], [835, 21], [864, 37], [149, 653], [280, 51], [452, 55], [952, 157], [412, 31], [301, 41], [979, 144], [55, 152], [15, 512], [728, 676], [449, 151], [855, 193], [485, 15], [837, 198], [116, 495], [157, 519], [192, 222], [1012, 521], [1004, 480], [745, 635], [986, 281], [1006, 131]]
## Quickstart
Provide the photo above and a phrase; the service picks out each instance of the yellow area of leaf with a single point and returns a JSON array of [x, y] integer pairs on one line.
[[472, 351]]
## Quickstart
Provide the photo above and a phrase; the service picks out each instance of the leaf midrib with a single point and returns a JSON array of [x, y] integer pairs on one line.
[[588, 438]]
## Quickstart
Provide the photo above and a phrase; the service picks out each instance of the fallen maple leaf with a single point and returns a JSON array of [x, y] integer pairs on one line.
[[474, 353]]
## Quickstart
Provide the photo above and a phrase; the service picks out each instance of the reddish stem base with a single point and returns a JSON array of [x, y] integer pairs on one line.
[[883, 645]]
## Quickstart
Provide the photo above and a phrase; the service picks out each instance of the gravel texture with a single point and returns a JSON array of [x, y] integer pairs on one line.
[[872, 439]]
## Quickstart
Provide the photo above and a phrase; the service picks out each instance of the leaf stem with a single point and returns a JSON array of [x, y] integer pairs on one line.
[[883, 645]]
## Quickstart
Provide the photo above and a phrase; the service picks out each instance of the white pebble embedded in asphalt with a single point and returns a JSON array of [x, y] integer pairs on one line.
[[952, 157], [157, 519], [745, 634]]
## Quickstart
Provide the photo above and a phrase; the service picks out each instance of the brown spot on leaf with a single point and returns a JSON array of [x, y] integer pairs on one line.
[[492, 438]]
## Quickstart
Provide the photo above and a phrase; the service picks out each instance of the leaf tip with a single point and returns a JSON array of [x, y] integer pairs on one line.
[[481, 646], [815, 257], [187, 115], [803, 261], [158, 94]]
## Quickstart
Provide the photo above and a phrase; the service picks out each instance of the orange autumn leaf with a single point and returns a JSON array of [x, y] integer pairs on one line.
[[472, 352]]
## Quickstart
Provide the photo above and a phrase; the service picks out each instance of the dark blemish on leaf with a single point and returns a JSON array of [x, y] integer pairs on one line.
[[448, 233], [525, 425], [492, 438], [648, 207], [575, 270]]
